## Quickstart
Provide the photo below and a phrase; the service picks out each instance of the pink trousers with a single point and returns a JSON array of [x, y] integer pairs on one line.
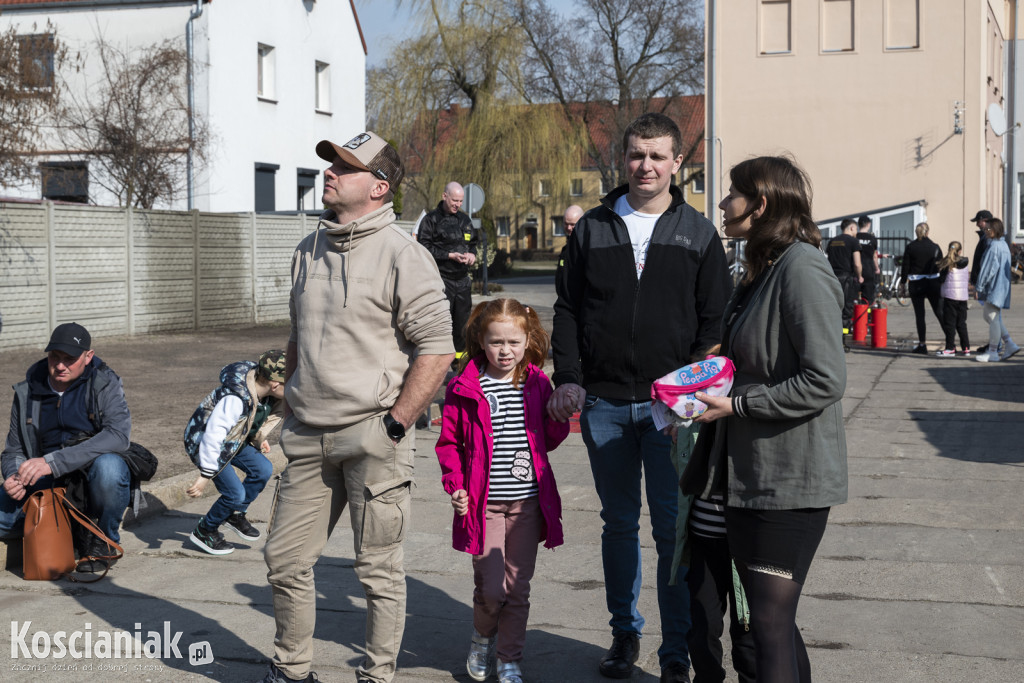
[[501, 598]]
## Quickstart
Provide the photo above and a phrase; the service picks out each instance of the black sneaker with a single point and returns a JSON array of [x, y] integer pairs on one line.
[[96, 547], [240, 525], [210, 541], [274, 675]]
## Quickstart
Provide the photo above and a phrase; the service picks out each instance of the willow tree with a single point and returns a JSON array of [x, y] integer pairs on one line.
[[609, 62], [453, 97]]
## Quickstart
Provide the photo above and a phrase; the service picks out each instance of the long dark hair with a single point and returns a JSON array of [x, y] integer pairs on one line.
[[787, 215]]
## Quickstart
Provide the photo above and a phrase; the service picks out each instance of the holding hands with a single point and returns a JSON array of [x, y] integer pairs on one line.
[[566, 400]]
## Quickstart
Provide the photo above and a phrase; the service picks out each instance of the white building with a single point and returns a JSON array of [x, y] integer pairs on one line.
[[272, 77]]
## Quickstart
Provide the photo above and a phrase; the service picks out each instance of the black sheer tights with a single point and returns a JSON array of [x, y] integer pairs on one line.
[[781, 655]]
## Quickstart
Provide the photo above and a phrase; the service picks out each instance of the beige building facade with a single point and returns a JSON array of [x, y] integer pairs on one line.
[[883, 102]]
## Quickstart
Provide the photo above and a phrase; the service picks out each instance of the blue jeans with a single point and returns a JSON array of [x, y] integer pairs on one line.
[[623, 443], [234, 495], [109, 482]]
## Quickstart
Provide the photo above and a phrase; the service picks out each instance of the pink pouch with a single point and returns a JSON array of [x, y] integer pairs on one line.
[[676, 390]]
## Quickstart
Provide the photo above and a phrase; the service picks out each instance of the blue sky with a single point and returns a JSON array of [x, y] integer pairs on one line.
[[384, 26]]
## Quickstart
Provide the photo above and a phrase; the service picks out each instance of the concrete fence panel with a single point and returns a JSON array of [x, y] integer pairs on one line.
[[125, 271]]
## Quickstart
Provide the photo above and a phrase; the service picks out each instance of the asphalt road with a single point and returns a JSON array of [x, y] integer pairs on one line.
[[920, 576]]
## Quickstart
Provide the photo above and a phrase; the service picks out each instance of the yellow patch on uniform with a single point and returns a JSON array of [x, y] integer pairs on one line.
[[467, 236]]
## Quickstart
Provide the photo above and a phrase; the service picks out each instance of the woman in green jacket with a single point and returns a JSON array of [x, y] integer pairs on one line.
[[781, 429]]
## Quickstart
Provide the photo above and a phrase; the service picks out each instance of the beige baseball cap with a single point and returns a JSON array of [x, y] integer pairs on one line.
[[369, 152]]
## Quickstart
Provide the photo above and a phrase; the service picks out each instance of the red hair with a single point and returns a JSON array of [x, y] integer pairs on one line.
[[487, 312]]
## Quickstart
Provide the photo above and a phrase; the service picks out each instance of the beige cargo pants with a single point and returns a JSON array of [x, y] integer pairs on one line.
[[327, 469]]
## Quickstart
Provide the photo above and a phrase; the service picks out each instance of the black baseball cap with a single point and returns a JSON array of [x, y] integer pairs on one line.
[[982, 215], [71, 338]]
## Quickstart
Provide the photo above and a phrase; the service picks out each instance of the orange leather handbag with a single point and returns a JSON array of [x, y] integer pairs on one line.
[[48, 545]]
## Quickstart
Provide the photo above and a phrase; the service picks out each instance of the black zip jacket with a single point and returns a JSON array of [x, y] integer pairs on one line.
[[443, 233], [614, 334], [921, 257]]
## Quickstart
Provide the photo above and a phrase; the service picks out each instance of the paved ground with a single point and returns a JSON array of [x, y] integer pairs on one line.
[[920, 576]]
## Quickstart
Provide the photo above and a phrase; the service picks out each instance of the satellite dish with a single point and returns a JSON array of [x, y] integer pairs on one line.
[[996, 119]]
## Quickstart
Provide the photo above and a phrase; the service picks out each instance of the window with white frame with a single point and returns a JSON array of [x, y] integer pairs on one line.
[[902, 24], [576, 187], [603, 189], [776, 30], [265, 72], [501, 224], [697, 183], [323, 86], [545, 188], [837, 25], [558, 226]]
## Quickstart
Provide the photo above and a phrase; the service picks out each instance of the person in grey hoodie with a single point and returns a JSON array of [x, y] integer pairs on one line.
[[371, 339]]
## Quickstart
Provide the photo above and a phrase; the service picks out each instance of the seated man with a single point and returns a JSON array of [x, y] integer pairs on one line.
[[69, 422]]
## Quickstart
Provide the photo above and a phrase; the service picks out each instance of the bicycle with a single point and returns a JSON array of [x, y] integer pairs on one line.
[[889, 284]]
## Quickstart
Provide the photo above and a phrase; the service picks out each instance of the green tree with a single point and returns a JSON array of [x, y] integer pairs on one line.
[[453, 98]]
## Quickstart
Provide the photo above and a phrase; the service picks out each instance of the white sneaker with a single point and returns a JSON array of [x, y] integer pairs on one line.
[[1009, 349], [509, 672], [480, 662], [988, 357]]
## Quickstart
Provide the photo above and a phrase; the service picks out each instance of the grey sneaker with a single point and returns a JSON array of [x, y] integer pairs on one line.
[[509, 672], [240, 525], [480, 662], [1010, 349], [274, 675]]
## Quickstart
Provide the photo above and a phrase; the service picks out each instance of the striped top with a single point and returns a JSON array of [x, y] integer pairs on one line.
[[707, 517], [512, 476]]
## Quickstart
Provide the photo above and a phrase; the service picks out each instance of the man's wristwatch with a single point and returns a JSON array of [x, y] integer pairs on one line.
[[395, 429]]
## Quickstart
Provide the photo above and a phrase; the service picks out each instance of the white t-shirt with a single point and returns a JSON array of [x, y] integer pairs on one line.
[[640, 227]]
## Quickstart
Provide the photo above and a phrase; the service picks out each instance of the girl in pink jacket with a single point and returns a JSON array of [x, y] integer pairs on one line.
[[493, 450]]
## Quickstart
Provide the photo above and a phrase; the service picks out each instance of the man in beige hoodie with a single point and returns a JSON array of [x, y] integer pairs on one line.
[[371, 338]]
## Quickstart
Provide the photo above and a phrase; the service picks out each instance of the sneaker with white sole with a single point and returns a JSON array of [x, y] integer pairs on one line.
[[210, 541], [945, 352], [988, 357], [1009, 350], [240, 525], [480, 662]]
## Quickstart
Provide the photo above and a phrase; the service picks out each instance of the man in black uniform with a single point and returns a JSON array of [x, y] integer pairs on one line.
[[844, 256], [868, 259], [448, 235]]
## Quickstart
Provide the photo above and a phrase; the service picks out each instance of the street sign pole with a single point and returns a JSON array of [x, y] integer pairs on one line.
[[474, 202]]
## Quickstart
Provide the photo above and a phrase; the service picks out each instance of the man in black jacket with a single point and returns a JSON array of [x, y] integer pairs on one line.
[[448, 235], [69, 416], [641, 294], [843, 253]]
